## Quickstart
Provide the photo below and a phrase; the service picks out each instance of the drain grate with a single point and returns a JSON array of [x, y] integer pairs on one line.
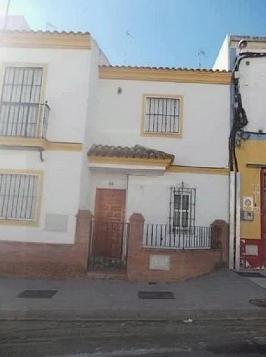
[[37, 294], [251, 274], [258, 302], [155, 295]]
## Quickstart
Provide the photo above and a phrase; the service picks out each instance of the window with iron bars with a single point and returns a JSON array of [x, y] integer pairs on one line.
[[18, 196], [161, 115], [20, 106], [182, 208]]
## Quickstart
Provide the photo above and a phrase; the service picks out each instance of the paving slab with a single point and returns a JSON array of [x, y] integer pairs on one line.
[[220, 295]]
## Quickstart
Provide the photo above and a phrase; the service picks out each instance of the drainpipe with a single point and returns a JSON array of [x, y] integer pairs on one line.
[[234, 220]]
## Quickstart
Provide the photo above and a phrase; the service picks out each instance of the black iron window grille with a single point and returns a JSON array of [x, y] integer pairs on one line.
[[21, 111], [162, 115], [18, 196], [182, 208], [180, 232]]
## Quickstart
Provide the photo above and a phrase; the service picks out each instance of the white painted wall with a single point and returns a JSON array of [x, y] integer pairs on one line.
[[97, 57], [66, 88], [67, 92], [150, 195], [117, 119], [253, 88], [222, 61], [60, 193]]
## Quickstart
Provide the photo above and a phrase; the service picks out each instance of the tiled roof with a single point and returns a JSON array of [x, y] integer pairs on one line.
[[164, 68], [248, 38], [135, 152], [46, 32]]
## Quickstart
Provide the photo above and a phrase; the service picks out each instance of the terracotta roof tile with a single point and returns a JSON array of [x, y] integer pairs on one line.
[[46, 32], [137, 151], [164, 68]]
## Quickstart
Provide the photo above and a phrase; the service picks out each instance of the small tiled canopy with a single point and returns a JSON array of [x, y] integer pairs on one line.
[[135, 152]]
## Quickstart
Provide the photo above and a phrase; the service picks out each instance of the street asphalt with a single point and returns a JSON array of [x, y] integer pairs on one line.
[[205, 317]]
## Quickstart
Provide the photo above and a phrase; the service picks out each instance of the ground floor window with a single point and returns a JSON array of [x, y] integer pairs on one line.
[[182, 207], [18, 196]]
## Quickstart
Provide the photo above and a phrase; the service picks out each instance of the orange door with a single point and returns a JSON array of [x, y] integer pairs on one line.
[[109, 218]]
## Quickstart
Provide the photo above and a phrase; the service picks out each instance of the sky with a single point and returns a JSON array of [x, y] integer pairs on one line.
[[167, 33]]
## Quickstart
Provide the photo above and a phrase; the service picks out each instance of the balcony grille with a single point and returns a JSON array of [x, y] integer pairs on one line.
[[21, 112]]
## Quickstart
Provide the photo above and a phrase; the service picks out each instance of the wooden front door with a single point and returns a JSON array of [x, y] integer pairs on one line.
[[109, 223]]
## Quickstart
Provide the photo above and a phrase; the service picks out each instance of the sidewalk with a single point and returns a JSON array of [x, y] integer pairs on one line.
[[220, 295]]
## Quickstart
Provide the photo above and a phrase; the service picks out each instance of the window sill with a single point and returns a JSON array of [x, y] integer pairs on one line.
[[37, 144], [164, 135], [18, 222]]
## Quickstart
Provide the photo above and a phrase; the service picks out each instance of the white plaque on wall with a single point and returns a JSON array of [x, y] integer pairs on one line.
[[159, 262]]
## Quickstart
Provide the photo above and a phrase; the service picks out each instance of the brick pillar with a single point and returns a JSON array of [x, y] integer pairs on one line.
[[83, 235], [220, 239], [135, 239]]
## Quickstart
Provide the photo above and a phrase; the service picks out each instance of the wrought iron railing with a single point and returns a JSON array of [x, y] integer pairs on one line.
[[108, 245], [166, 236], [24, 119]]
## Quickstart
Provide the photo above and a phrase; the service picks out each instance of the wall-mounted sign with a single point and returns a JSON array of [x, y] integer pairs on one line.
[[247, 203]]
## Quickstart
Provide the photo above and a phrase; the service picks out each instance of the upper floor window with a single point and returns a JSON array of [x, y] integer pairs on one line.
[[22, 112], [162, 115], [18, 196]]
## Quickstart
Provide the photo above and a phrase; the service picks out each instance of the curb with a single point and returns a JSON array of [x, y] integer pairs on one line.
[[147, 316]]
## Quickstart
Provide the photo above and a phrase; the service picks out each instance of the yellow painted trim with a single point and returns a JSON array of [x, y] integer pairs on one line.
[[30, 39], [198, 170], [39, 143], [164, 75], [62, 146], [167, 135], [128, 161], [251, 151], [36, 216]]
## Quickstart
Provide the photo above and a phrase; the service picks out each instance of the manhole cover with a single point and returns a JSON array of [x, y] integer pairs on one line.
[[258, 302], [155, 295], [251, 274], [37, 294]]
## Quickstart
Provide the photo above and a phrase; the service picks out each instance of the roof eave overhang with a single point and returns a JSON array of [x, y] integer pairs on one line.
[[164, 75], [39, 39], [129, 164]]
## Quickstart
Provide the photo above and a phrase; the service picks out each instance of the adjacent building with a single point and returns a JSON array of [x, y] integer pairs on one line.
[[245, 56]]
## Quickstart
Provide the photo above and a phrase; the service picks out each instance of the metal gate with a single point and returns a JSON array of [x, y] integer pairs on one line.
[[108, 246]]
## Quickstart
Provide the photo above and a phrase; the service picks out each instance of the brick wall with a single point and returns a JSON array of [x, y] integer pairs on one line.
[[176, 264], [48, 260]]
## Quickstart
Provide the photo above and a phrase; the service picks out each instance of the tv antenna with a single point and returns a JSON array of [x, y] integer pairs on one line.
[[201, 54]]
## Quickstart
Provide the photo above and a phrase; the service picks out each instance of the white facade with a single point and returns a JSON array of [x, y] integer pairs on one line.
[[252, 72], [66, 89], [87, 110], [205, 118]]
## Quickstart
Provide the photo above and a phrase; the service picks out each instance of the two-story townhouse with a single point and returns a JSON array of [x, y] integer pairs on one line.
[[79, 135], [246, 57], [159, 148], [45, 90]]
